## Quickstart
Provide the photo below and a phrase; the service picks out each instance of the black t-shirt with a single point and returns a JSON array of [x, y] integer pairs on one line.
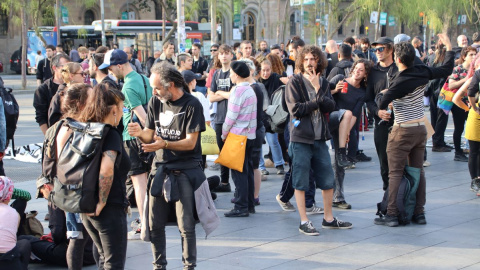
[[260, 113], [118, 193], [172, 121], [221, 82], [200, 66], [352, 100]]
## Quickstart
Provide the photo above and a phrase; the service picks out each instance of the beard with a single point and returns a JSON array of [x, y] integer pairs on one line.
[[93, 74]]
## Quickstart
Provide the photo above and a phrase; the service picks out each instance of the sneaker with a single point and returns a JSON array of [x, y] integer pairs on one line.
[[264, 172], [214, 167], [223, 188], [314, 210], [256, 201], [460, 157], [361, 157], [386, 220], [236, 213], [475, 185], [280, 169], [134, 234], [342, 205], [136, 224], [336, 224], [426, 163], [342, 161], [441, 149], [308, 228], [419, 219], [251, 210], [285, 206]]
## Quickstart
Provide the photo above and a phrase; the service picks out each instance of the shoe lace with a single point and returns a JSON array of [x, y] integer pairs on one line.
[[310, 225]]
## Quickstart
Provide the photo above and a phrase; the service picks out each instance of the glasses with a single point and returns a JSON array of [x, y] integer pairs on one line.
[[213, 50], [380, 49], [80, 73]]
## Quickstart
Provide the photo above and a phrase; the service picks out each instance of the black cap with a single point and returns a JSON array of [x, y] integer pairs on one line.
[[275, 47], [240, 68], [383, 41], [189, 76]]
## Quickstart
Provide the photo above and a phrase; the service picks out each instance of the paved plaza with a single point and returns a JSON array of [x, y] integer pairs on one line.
[[270, 238]]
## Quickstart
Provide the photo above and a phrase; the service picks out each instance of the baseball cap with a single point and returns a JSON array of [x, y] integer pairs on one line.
[[383, 41], [40, 182], [189, 76], [401, 38], [114, 57]]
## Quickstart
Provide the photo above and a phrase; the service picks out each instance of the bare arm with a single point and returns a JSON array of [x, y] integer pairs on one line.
[[43, 128], [186, 144], [105, 180], [457, 98], [223, 94], [213, 97], [453, 84], [141, 114], [145, 135]]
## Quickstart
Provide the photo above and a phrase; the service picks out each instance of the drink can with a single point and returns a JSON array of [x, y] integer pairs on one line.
[[345, 88]]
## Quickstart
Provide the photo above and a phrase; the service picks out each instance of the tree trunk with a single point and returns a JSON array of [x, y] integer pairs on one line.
[[171, 18], [377, 25], [278, 23], [157, 9], [24, 48], [285, 12], [213, 21], [345, 18]]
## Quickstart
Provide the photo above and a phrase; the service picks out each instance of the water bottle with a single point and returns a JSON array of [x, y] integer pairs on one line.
[[295, 122], [388, 111]]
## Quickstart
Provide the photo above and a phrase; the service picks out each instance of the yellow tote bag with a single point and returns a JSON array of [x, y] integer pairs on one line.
[[209, 142], [233, 152]]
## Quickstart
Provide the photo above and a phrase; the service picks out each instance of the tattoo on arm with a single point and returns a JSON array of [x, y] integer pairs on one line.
[[106, 180]]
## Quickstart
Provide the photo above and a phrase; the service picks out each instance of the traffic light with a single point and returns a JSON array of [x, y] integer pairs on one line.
[[366, 30]]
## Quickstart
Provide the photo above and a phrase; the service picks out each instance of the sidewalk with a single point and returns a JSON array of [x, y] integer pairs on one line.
[[14, 81], [270, 239]]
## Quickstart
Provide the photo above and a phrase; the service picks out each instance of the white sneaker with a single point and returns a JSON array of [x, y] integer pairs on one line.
[[285, 206], [314, 210], [136, 223], [134, 234], [426, 163]]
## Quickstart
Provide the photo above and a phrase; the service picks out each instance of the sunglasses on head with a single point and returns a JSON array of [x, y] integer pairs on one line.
[[380, 49]]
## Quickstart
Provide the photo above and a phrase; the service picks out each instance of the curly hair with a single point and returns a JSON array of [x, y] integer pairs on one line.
[[317, 53], [168, 74], [368, 66], [277, 65]]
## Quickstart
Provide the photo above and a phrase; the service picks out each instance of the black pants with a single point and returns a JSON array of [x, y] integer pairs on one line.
[[459, 118], [244, 183], [354, 138], [109, 233], [433, 109], [17, 258], [438, 137], [224, 171], [474, 159], [380, 136]]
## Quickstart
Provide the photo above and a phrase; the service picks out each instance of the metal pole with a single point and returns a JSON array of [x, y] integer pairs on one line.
[[128, 11], [163, 25], [302, 33], [213, 21], [102, 10], [181, 35], [57, 16]]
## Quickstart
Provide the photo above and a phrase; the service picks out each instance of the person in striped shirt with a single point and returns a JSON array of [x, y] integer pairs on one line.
[[241, 119]]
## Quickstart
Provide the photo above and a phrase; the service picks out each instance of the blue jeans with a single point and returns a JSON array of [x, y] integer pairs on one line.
[[306, 157], [272, 139]]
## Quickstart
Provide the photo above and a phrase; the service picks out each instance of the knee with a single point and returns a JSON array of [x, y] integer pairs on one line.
[[347, 115]]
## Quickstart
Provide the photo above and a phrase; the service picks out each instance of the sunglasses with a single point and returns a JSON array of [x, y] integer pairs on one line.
[[213, 50], [380, 49]]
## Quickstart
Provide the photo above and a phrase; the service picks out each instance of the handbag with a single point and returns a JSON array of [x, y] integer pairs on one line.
[[233, 152], [445, 98], [209, 142], [146, 157]]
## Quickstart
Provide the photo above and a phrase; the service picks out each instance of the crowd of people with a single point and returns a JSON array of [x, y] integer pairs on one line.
[[162, 108]]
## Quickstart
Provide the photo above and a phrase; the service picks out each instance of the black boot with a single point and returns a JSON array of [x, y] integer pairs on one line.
[[342, 160]]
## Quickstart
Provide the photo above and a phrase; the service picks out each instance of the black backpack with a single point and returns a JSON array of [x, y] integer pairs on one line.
[[75, 174], [11, 110], [406, 196]]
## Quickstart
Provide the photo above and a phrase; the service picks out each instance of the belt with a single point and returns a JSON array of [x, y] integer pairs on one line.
[[410, 125]]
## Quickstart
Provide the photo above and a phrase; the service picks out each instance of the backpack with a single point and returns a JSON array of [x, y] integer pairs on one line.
[[406, 196], [76, 172], [32, 225], [276, 115], [11, 110]]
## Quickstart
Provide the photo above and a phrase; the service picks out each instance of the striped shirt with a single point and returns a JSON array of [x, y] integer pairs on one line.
[[241, 118], [409, 107]]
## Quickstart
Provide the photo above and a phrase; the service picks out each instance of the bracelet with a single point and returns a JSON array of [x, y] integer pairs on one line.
[[166, 145]]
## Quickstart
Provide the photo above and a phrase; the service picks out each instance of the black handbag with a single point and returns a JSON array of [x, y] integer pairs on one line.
[[146, 157]]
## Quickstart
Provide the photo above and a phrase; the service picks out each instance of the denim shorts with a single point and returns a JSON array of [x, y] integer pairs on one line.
[[335, 119], [311, 156]]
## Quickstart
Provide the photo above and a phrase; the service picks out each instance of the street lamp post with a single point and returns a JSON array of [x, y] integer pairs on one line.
[[181, 35]]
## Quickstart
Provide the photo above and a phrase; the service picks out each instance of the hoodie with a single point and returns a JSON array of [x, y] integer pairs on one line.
[[342, 67], [406, 89]]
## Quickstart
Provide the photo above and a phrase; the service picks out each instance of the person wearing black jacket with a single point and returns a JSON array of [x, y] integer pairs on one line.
[[344, 64], [379, 79], [308, 98], [45, 92], [408, 137], [44, 71]]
